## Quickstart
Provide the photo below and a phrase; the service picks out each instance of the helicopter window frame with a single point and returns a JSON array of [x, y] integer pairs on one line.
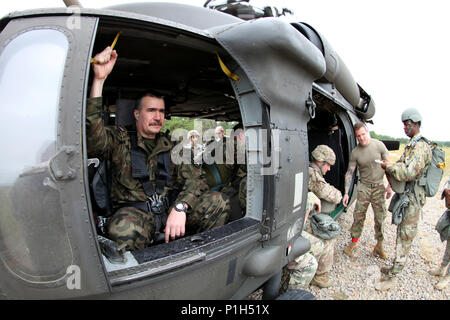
[[38, 51]]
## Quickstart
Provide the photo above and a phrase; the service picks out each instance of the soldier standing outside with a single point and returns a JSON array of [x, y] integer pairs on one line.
[[415, 160], [134, 221], [443, 227], [323, 158], [371, 189]]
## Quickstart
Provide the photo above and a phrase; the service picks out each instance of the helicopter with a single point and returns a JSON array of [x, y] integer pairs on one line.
[[283, 81]]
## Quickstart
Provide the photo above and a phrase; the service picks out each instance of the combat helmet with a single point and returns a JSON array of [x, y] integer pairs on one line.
[[324, 153], [411, 114], [193, 133]]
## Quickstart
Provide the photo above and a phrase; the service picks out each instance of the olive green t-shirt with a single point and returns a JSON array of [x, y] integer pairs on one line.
[[364, 158]]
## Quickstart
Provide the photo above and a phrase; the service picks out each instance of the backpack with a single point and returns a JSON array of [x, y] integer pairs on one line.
[[431, 178]]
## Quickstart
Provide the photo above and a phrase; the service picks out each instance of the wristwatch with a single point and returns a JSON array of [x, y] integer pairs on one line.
[[181, 207]]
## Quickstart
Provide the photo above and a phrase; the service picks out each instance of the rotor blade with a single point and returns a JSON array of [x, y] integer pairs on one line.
[[70, 3]]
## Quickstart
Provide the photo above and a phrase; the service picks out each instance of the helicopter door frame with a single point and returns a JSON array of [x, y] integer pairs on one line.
[[84, 274]]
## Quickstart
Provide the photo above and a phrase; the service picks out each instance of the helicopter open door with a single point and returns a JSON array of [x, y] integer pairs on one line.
[[47, 238], [282, 70]]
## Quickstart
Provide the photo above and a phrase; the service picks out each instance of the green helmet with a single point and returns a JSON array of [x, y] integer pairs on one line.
[[411, 114], [324, 153]]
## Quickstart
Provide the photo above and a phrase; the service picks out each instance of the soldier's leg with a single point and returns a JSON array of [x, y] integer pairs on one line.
[[132, 226], [359, 213], [303, 270], [406, 232], [325, 258], [379, 211], [212, 211], [446, 258]]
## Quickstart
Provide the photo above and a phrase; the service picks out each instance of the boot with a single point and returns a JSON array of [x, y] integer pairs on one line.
[[322, 281], [349, 248], [386, 283], [386, 270], [379, 251], [443, 282], [439, 271]]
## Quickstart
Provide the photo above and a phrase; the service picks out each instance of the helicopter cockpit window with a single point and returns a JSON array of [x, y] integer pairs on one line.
[[29, 198]]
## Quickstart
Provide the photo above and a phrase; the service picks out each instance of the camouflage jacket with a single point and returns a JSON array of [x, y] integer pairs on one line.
[[229, 167], [113, 142], [415, 159], [322, 189]]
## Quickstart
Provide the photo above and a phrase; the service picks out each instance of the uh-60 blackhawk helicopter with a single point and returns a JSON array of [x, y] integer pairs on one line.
[[280, 78]]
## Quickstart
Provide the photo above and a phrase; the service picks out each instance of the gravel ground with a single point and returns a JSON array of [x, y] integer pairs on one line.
[[354, 277]]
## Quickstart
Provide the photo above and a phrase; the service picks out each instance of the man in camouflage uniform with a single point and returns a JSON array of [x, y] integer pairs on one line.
[[415, 160], [225, 169], [371, 189], [323, 158], [133, 222], [443, 227]]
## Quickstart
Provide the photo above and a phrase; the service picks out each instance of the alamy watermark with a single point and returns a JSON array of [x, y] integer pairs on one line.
[[73, 280], [73, 22]]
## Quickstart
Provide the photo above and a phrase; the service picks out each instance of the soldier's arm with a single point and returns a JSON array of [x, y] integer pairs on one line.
[[192, 184], [98, 137], [349, 175], [348, 181], [419, 157], [105, 62], [324, 190]]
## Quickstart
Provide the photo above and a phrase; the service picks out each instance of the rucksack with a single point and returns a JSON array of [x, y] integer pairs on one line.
[[431, 178]]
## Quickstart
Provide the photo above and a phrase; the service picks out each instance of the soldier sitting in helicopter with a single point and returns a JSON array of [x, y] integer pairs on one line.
[[150, 195]]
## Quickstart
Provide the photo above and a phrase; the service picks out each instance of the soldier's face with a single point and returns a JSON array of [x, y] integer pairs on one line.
[[363, 136], [151, 117], [410, 128], [325, 168]]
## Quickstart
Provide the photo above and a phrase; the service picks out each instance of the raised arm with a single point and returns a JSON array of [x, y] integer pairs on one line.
[[103, 65]]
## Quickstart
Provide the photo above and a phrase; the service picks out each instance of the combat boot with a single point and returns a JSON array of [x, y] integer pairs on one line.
[[379, 251], [322, 281], [443, 282], [386, 283], [349, 248], [439, 271]]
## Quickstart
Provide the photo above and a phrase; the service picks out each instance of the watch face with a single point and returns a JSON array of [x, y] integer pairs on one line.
[[179, 207]]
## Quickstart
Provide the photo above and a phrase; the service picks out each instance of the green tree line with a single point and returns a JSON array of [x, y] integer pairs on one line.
[[374, 135], [190, 124]]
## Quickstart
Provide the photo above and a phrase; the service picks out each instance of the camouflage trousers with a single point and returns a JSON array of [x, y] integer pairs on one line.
[[368, 195], [406, 232], [305, 267], [137, 228]]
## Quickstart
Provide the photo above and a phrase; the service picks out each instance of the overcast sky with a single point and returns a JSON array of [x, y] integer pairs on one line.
[[397, 50]]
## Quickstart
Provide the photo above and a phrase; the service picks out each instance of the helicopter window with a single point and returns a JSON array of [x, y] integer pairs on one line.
[[29, 199]]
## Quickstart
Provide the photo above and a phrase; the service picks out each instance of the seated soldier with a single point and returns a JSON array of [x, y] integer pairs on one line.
[[194, 146], [226, 170], [323, 158], [144, 180]]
